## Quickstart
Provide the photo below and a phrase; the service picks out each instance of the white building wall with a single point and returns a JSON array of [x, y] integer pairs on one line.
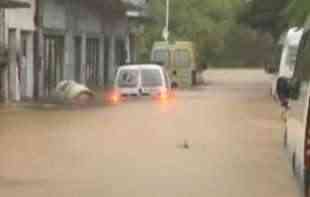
[[21, 18]]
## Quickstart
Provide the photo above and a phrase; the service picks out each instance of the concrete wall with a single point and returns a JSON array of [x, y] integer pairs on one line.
[[21, 18], [79, 16], [54, 14]]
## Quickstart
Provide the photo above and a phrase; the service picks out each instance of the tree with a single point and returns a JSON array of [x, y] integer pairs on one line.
[[194, 20], [265, 16], [212, 26], [298, 12]]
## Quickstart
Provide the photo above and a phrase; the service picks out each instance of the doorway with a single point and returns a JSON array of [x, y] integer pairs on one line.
[[54, 61]]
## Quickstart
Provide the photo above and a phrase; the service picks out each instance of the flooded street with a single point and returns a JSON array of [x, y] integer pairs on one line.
[[232, 128]]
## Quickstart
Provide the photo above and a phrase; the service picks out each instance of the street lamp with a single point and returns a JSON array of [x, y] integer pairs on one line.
[[166, 29]]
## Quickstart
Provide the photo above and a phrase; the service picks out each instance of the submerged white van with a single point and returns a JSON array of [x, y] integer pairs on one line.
[[288, 57], [142, 80]]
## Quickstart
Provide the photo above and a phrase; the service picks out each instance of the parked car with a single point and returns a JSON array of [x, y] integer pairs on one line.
[[141, 80]]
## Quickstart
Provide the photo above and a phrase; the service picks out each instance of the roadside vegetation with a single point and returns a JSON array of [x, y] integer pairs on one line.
[[227, 33]]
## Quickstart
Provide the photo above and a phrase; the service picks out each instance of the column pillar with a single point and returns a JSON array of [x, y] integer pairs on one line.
[[5, 83], [14, 91], [112, 66], [40, 72], [30, 66], [83, 58], [128, 51], [69, 67], [101, 61]]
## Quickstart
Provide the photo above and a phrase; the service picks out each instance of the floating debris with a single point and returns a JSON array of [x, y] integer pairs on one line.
[[184, 145]]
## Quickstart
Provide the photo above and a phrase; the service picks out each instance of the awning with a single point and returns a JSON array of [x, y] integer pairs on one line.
[[13, 4]]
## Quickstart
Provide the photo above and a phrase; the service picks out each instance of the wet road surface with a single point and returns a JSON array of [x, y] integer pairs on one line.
[[136, 149]]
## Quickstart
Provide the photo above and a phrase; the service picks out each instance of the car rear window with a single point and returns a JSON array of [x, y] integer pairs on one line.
[[151, 78], [128, 78]]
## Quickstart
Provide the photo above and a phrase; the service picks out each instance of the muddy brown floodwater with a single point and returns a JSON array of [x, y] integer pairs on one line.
[[222, 140]]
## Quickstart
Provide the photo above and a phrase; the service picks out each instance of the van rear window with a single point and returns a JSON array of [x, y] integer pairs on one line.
[[182, 58], [151, 78], [128, 78]]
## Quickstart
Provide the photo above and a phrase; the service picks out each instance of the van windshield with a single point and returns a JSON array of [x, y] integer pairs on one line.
[[128, 78], [151, 78]]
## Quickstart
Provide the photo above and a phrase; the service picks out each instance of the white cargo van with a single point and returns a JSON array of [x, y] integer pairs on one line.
[[142, 80], [297, 119]]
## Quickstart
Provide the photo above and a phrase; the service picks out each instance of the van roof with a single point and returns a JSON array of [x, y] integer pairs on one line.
[[177, 44], [140, 66]]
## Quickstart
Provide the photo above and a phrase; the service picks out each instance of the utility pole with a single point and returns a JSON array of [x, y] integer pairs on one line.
[[167, 16], [166, 29]]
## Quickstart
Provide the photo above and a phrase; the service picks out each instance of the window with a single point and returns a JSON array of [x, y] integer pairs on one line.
[[151, 78], [303, 60], [161, 56], [128, 78], [182, 58], [291, 57], [92, 61]]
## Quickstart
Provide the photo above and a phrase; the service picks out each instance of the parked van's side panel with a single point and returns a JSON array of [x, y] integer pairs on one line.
[[288, 57], [297, 124]]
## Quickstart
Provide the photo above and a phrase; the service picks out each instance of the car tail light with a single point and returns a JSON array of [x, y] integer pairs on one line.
[[163, 94], [113, 97]]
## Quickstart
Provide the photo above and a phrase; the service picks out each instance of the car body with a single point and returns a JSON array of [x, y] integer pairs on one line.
[[142, 80]]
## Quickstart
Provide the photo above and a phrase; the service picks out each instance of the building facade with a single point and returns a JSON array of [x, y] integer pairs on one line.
[[78, 40], [19, 37], [8, 49], [53, 40]]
